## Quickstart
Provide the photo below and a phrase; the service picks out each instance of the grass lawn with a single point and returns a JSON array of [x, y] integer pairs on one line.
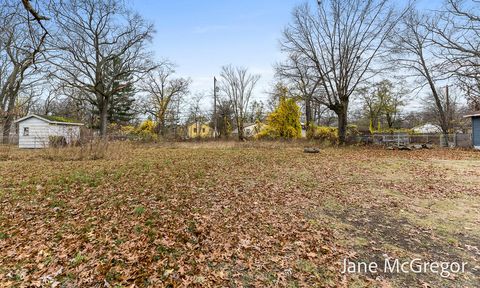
[[235, 215]]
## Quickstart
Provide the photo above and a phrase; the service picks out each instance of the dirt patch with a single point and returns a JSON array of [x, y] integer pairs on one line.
[[375, 235]]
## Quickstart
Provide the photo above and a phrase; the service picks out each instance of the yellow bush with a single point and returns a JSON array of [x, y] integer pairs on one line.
[[146, 130], [324, 133], [129, 129], [284, 122], [394, 131], [267, 132]]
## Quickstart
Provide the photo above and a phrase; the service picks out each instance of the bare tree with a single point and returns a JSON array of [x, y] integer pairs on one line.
[[471, 88], [457, 33], [256, 112], [415, 51], [373, 99], [393, 108], [196, 113], [382, 101], [238, 86], [340, 40], [225, 119], [303, 79], [163, 91], [21, 45], [98, 43], [451, 107]]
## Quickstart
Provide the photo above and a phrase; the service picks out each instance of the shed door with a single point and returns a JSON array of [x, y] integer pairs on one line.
[[476, 131]]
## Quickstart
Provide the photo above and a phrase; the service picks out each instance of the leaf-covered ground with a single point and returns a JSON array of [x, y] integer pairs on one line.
[[235, 215]]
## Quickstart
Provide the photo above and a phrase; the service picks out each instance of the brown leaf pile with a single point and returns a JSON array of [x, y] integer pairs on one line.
[[233, 217]]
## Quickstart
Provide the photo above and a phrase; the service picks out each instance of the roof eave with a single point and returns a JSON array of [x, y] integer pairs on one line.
[[473, 114], [30, 116], [47, 120], [66, 123]]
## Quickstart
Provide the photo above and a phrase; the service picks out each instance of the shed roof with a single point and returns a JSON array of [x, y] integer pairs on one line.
[[473, 114], [51, 120]]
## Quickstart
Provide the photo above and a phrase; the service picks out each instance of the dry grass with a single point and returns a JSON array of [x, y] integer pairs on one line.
[[230, 214]]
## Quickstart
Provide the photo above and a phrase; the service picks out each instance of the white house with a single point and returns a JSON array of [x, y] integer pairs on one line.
[[427, 128], [250, 130], [35, 131]]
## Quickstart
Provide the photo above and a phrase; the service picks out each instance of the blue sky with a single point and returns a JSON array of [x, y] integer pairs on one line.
[[202, 36]]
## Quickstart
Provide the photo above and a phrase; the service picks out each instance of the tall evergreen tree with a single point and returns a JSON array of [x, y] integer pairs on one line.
[[120, 110]]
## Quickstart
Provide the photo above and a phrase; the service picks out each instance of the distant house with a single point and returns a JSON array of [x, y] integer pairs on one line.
[[249, 129], [427, 128], [304, 129], [252, 129], [199, 130], [475, 116], [35, 131]]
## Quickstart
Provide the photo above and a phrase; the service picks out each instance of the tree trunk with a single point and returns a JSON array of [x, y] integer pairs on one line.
[[240, 131], [308, 112], [103, 118], [7, 128], [444, 123], [7, 125], [161, 128], [161, 122], [390, 121], [342, 124]]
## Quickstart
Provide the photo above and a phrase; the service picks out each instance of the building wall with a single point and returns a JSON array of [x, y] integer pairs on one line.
[[39, 132], [476, 131], [70, 132], [199, 130]]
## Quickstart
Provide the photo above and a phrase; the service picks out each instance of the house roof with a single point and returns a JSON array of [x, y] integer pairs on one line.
[[427, 128], [473, 114], [51, 119]]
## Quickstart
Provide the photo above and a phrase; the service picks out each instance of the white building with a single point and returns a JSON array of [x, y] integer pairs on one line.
[[35, 131], [427, 128], [250, 130]]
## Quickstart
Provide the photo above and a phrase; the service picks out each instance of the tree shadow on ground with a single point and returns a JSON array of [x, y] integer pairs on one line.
[[374, 235]]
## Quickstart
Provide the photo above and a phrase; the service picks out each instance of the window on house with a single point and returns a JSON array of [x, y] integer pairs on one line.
[[194, 130], [26, 131], [203, 130]]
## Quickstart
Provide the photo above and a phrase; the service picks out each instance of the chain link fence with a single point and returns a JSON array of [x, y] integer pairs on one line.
[[11, 140], [462, 140]]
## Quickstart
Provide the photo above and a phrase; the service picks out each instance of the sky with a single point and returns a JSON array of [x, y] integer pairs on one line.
[[202, 36]]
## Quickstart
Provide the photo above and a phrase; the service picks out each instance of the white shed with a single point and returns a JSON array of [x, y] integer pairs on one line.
[[35, 131], [427, 128]]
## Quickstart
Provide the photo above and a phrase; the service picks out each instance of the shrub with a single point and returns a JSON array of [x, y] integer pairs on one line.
[[284, 122], [267, 132], [57, 141], [395, 131], [129, 129], [326, 134], [145, 131], [352, 133]]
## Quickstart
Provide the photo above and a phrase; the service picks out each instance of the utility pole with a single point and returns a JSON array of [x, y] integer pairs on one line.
[[215, 90], [446, 112]]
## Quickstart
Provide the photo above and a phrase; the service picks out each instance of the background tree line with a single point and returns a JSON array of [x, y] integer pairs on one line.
[[339, 53], [345, 61]]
